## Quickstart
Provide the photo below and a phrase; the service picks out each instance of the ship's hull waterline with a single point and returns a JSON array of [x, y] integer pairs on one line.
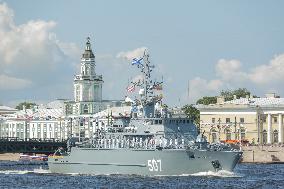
[[142, 162]]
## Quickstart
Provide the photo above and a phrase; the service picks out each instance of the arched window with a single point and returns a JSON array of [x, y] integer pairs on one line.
[[275, 136], [243, 134], [264, 136], [228, 134], [85, 109], [214, 135], [87, 70]]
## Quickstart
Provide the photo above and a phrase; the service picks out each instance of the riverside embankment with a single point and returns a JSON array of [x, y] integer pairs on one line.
[[263, 154], [9, 156]]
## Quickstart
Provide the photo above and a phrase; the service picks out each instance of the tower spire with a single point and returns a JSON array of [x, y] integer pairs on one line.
[[88, 50], [88, 44]]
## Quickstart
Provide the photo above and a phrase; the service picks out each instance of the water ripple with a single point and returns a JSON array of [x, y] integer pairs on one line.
[[245, 176]]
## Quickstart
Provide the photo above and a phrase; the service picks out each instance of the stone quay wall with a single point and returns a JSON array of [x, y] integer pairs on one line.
[[263, 154]]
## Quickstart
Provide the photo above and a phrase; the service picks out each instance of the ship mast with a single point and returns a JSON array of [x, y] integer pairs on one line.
[[147, 85]]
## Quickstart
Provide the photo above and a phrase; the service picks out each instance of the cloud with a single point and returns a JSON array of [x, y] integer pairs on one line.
[[11, 83], [129, 55], [230, 70], [229, 75], [199, 87], [269, 73], [31, 55]]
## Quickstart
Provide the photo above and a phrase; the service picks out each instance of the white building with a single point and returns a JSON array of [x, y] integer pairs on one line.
[[5, 111], [256, 120], [88, 88], [61, 118], [45, 122]]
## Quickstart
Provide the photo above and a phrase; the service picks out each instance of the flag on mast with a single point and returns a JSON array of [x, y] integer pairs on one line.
[[130, 88], [136, 61], [158, 87]]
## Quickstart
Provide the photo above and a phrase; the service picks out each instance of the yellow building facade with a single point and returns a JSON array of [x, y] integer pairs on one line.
[[253, 120]]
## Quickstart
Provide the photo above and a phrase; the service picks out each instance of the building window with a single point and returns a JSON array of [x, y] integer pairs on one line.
[[228, 134], [77, 93], [228, 120], [85, 109], [243, 134], [275, 119], [213, 120], [214, 136], [275, 136], [242, 120], [264, 137]]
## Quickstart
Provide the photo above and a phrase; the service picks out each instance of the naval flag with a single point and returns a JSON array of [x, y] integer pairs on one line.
[[137, 61]]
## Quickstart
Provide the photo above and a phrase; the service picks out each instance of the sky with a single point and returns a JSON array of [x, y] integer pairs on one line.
[[198, 47]]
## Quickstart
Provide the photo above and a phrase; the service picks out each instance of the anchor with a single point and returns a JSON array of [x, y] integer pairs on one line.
[[216, 164]]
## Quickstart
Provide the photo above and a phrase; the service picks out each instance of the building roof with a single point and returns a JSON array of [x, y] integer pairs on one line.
[[40, 113], [57, 104], [7, 108], [258, 101], [115, 111], [88, 50]]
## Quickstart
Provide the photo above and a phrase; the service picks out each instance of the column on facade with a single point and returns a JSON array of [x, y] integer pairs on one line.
[[280, 128], [269, 128]]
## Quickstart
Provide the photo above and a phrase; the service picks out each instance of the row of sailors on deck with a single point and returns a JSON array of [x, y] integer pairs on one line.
[[139, 143]]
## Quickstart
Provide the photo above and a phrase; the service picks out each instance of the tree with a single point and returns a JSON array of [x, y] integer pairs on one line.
[[28, 105], [207, 100], [192, 113], [240, 92], [227, 94]]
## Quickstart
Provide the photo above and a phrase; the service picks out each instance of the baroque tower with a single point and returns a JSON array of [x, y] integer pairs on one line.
[[87, 85]]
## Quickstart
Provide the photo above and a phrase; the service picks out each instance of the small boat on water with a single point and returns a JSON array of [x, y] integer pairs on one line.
[[33, 159]]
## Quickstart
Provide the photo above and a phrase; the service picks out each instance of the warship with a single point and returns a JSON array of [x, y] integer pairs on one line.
[[151, 141]]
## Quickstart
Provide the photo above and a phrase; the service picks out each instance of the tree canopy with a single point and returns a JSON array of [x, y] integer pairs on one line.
[[240, 92], [28, 105], [192, 113], [227, 94], [207, 100]]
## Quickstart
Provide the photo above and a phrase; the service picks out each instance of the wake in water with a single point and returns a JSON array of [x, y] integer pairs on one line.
[[21, 172], [221, 173]]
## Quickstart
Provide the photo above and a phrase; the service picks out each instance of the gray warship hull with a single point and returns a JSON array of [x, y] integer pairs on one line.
[[142, 162]]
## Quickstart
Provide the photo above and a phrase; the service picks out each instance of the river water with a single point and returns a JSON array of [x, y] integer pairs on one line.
[[13, 175]]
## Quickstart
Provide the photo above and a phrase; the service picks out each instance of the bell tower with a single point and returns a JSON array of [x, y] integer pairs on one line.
[[87, 84]]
